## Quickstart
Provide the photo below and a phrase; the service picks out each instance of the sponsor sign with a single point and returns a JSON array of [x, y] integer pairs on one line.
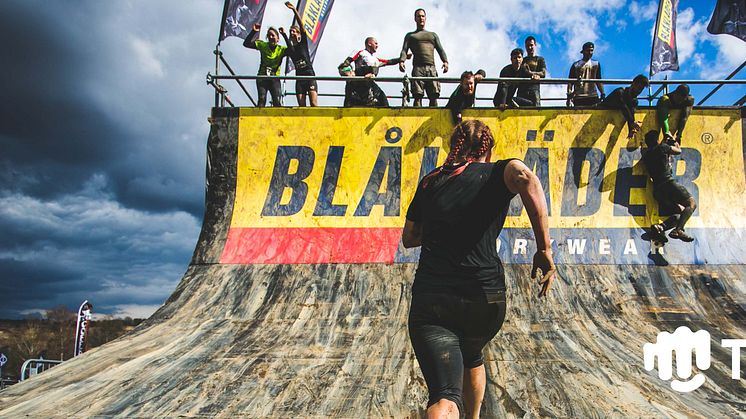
[[333, 185]]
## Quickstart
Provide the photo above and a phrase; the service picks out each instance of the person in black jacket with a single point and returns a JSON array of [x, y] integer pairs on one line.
[[505, 96], [298, 52], [624, 99], [465, 93], [671, 196]]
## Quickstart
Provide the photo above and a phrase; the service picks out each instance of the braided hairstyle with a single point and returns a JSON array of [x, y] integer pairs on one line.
[[470, 141]]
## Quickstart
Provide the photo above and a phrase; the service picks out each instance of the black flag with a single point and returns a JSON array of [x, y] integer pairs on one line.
[[729, 18], [239, 16], [664, 55]]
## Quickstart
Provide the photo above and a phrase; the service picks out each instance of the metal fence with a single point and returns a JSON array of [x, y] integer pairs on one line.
[[36, 366], [222, 97]]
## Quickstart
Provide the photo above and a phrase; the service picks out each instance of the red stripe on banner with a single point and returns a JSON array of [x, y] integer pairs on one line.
[[311, 245]]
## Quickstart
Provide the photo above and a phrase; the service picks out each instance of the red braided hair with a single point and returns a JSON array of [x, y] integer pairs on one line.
[[470, 141]]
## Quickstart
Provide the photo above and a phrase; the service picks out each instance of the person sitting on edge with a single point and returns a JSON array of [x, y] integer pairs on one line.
[[298, 52], [583, 93], [678, 99], [506, 96], [537, 67], [671, 196], [423, 43], [271, 55], [624, 99], [463, 96], [366, 65]]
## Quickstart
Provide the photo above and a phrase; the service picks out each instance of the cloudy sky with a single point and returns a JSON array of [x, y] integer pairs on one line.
[[104, 118]]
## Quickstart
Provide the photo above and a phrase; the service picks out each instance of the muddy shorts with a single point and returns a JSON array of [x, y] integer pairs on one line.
[[669, 195], [448, 333], [419, 88]]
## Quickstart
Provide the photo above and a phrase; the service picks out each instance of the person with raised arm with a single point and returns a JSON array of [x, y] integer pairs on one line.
[[367, 64], [271, 54], [299, 53]]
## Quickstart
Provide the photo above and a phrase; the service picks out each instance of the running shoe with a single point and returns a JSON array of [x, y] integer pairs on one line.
[[658, 232], [681, 235]]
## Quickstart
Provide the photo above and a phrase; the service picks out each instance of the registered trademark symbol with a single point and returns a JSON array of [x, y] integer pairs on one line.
[[707, 138]]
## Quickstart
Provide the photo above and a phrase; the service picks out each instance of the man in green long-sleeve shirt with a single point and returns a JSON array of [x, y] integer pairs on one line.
[[423, 45], [678, 99]]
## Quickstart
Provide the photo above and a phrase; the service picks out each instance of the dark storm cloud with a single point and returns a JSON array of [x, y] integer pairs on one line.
[[88, 246], [102, 132], [60, 84]]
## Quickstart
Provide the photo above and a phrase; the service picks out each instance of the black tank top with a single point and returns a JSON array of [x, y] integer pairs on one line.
[[461, 216]]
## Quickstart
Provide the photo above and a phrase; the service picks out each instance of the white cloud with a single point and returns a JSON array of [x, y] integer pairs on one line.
[[474, 35], [731, 52], [147, 57], [690, 32], [691, 36], [643, 12]]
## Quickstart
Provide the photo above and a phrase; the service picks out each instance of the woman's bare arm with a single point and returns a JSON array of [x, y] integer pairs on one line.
[[522, 181]]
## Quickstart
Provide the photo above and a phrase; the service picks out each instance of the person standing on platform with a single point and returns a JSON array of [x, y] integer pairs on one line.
[[678, 99], [537, 68], [458, 296], [464, 95], [366, 65], [624, 99], [423, 43], [298, 52], [583, 93], [271, 55], [505, 96], [671, 196]]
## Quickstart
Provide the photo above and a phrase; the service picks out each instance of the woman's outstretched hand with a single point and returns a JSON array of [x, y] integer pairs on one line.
[[543, 261]]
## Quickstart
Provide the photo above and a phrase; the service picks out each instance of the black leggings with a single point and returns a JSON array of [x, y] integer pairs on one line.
[[273, 85], [448, 333]]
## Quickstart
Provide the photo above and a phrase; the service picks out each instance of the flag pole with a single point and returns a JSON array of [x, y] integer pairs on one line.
[[655, 30], [222, 22], [217, 47]]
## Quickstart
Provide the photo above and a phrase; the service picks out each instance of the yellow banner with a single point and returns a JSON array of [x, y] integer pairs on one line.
[[359, 168]]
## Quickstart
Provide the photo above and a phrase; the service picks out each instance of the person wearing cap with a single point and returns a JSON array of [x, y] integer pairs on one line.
[[678, 99], [624, 99], [512, 95], [582, 93]]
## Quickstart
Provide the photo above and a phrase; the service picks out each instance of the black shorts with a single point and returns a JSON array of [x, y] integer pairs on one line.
[[448, 333], [669, 196], [303, 87]]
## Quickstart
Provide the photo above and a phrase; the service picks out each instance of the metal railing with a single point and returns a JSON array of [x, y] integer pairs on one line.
[[222, 93], [36, 366]]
